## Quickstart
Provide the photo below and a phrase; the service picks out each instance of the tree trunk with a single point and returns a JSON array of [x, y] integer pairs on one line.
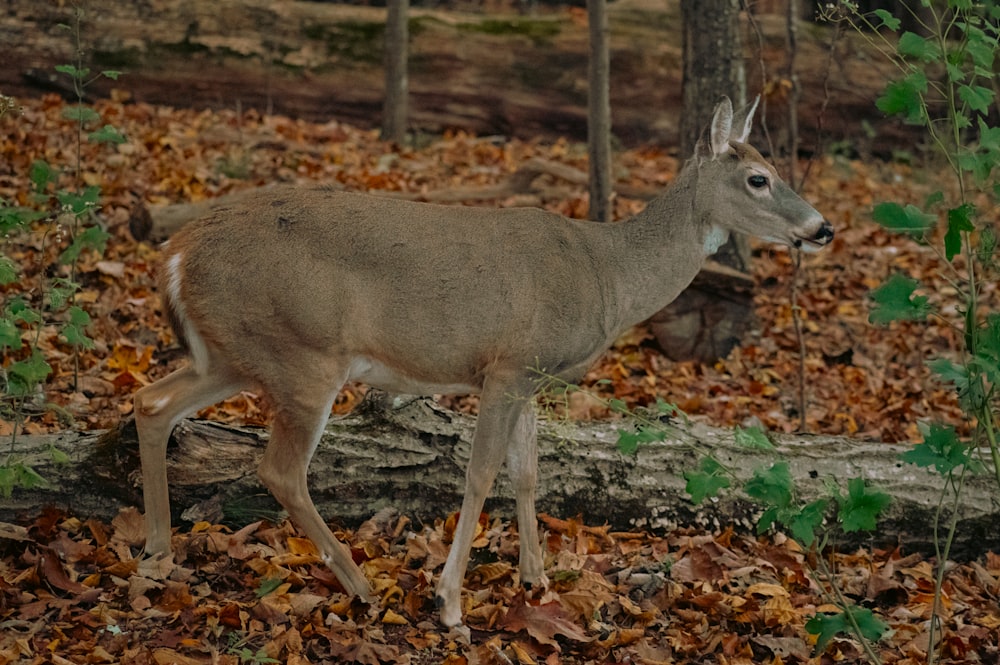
[[599, 112], [397, 39], [412, 459], [700, 325]]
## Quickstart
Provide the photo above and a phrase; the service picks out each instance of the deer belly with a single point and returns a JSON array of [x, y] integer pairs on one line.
[[377, 374]]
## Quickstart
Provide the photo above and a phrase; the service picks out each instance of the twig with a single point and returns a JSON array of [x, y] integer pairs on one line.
[[799, 337]]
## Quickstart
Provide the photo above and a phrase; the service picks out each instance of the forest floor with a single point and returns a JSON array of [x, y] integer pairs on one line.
[[73, 591]]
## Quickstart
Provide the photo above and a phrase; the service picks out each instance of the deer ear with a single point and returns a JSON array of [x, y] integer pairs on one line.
[[722, 124], [744, 122]]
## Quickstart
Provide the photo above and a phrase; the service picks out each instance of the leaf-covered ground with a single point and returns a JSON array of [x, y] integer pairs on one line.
[[860, 380], [74, 592]]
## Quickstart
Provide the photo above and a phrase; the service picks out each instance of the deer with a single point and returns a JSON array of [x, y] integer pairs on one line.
[[297, 290]]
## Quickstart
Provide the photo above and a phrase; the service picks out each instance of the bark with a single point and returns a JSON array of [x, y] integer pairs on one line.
[[700, 325], [412, 458], [397, 39], [599, 112]]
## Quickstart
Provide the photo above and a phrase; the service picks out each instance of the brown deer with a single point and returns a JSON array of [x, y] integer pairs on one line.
[[293, 292]]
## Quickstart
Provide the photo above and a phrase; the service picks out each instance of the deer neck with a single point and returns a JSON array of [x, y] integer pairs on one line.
[[664, 247]]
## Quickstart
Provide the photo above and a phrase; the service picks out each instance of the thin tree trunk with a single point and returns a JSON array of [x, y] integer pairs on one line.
[[701, 325], [599, 112], [394, 118], [793, 96]]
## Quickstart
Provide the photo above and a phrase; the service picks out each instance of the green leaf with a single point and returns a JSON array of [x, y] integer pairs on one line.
[[25, 374], [941, 448], [10, 334], [81, 114], [913, 45], [93, 238], [977, 97], [628, 442], [767, 519], [21, 311], [772, 486], [828, 626], [75, 330], [706, 481], [58, 456], [888, 20], [18, 217], [617, 405], [933, 199], [959, 221], [267, 585], [971, 393], [981, 48], [72, 71], [753, 438], [41, 174], [905, 98], [909, 219], [16, 475], [112, 74], [859, 510], [804, 523], [80, 202], [107, 134], [894, 301], [8, 270]]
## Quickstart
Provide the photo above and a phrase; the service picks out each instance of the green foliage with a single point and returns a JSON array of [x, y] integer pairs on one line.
[[947, 84], [58, 200], [909, 219], [18, 474], [895, 301], [860, 508], [251, 657], [628, 441], [268, 585], [706, 482], [941, 449], [851, 621], [753, 437]]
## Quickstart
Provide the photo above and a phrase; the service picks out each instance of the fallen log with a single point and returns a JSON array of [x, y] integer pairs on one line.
[[412, 458]]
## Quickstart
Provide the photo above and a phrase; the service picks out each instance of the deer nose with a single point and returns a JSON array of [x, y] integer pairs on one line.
[[825, 234]]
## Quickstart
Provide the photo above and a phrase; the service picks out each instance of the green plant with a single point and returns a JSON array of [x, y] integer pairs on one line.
[[813, 524], [946, 84], [238, 647], [62, 214]]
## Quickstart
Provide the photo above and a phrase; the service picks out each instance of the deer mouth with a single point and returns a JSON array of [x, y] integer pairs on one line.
[[822, 238]]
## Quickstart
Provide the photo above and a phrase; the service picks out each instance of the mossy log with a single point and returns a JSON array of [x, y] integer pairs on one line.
[[412, 459]]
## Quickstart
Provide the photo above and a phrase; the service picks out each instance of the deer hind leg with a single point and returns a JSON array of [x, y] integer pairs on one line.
[[298, 425], [158, 407], [500, 409], [522, 467]]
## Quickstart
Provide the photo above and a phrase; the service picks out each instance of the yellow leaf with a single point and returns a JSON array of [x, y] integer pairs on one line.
[[302, 546], [394, 619], [523, 656]]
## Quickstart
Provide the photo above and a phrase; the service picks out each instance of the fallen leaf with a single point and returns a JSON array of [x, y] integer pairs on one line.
[[542, 622]]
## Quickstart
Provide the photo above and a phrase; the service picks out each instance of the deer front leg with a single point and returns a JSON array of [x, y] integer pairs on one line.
[[298, 425], [500, 409], [522, 467], [158, 407]]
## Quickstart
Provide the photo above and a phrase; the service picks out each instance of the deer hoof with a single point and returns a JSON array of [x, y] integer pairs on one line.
[[451, 615]]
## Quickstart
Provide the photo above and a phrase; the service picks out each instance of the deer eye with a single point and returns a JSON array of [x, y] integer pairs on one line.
[[757, 181]]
